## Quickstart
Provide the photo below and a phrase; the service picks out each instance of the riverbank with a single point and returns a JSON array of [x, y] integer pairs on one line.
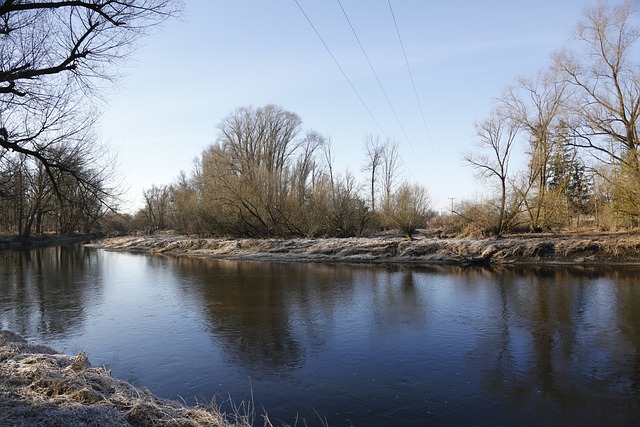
[[560, 249], [39, 386]]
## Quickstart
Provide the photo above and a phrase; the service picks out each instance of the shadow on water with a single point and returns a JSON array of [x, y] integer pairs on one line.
[[363, 345]]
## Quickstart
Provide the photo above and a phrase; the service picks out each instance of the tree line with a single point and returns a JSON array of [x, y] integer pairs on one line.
[[578, 121], [266, 177]]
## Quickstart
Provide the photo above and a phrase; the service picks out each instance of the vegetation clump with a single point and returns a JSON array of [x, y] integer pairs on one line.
[[39, 386]]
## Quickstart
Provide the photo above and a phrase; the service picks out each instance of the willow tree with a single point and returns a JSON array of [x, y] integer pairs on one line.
[[409, 208], [258, 169]]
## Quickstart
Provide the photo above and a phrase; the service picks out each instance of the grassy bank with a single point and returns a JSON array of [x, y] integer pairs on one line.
[[562, 249], [39, 386]]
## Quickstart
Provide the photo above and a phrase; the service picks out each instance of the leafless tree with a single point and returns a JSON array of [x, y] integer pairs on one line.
[[606, 78], [604, 72], [409, 208], [54, 57], [52, 53], [156, 209], [538, 106], [374, 152], [261, 170], [496, 135], [183, 204], [29, 199], [390, 170]]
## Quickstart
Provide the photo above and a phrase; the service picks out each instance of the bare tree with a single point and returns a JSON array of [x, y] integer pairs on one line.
[[156, 209], [538, 106], [52, 52], [409, 208], [390, 170], [604, 72], [496, 135], [260, 171], [607, 80], [53, 57], [183, 204], [374, 151], [258, 145], [33, 198], [345, 212], [304, 176]]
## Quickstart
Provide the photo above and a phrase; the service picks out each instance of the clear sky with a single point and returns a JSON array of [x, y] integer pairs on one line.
[[192, 72]]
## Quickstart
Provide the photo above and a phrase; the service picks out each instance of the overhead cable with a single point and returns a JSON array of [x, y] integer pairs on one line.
[[340, 67], [384, 92], [415, 91]]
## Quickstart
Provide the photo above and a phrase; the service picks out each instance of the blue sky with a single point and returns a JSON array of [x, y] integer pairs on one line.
[[192, 72]]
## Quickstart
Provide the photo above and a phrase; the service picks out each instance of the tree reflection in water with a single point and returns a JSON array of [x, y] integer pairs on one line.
[[559, 346], [255, 310], [43, 292], [362, 344]]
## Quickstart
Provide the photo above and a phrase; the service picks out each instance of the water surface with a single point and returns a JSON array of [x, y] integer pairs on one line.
[[361, 345]]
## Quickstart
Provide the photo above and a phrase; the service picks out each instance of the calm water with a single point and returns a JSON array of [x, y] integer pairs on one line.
[[362, 346]]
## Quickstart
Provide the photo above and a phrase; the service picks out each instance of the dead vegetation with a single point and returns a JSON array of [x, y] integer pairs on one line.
[[41, 387], [586, 248]]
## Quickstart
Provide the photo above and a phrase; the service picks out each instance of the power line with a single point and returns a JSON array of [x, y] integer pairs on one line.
[[340, 67], [384, 92], [415, 90]]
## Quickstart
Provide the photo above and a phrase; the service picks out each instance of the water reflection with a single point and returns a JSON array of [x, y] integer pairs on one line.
[[255, 310], [43, 292], [363, 345], [559, 347]]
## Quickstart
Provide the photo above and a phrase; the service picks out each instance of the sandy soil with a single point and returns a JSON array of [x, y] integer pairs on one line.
[[584, 249], [40, 387]]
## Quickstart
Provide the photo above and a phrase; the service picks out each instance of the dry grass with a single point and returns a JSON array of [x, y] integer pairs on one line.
[[591, 248], [41, 387]]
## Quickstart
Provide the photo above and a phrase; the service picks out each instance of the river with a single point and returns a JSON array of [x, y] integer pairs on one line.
[[358, 345]]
